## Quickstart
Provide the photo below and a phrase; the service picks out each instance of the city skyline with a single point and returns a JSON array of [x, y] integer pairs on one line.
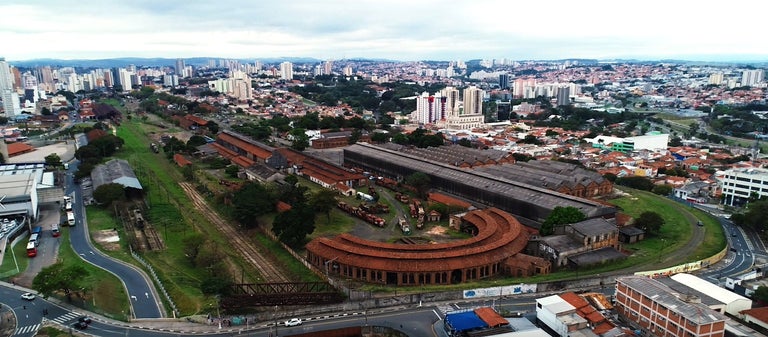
[[396, 30]]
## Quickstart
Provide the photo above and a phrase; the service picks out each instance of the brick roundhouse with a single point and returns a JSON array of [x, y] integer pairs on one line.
[[494, 251]]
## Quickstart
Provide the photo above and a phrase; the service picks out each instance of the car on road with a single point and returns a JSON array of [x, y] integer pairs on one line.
[[293, 322], [80, 325], [28, 296], [84, 319]]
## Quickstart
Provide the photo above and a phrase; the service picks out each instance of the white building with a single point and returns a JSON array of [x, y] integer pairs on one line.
[[286, 70], [739, 183], [629, 144], [559, 315], [430, 109], [731, 303]]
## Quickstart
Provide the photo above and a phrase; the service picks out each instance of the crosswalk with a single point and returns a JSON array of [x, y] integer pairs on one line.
[[63, 319], [66, 317], [27, 329]]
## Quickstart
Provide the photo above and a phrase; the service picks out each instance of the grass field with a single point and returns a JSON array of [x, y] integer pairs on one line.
[[14, 260], [105, 293]]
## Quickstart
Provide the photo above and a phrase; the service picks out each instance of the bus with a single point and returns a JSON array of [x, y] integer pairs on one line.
[[71, 218], [31, 249], [34, 238], [55, 230]]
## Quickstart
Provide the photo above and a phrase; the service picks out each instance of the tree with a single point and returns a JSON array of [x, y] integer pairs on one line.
[[761, 294], [755, 217], [59, 277], [293, 226], [251, 201], [420, 181], [53, 160], [561, 216], [193, 243], [108, 193], [232, 171], [640, 183], [650, 222], [662, 189], [323, 201], [196, 141], [379, 137], [300, 139]]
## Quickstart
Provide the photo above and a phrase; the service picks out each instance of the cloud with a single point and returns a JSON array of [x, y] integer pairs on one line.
[[396, 29]]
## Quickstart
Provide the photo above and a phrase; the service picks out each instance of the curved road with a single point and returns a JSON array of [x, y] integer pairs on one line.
[[143, 296]]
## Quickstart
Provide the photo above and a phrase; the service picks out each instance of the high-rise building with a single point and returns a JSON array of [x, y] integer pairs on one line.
[[452, 100], [348, 70], [503, 81], [286, 71], [179, 67], [430, 109], [328, 67], [473, 101], [752, 77], [126, 79], [468, 113], [11, 103], [521, 85], [716, 78], [563, 95]]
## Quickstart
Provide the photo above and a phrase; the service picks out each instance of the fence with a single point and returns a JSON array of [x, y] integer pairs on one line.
[[158, 282]]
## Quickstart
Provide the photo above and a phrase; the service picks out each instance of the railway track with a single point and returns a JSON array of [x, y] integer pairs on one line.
[[251, 254]]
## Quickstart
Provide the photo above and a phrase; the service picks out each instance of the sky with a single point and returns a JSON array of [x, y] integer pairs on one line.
[[391, 29]]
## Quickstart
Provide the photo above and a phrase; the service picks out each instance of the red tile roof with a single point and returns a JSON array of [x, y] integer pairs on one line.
[[448, 200], [256, 151], [490, 317], [760, 314], [18, 148], [181, 160]]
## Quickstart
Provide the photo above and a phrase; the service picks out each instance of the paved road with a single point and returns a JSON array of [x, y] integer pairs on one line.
[[143, 296]]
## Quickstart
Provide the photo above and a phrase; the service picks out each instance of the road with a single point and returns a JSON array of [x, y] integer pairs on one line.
[[416, 321], [143, 296], [741, 256]]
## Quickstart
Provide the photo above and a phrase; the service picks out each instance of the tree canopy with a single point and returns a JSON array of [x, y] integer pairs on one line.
[[650, 222], [251, 201], [323, 201], [561, 216], [293, 226], [108, 193], [59, 277]]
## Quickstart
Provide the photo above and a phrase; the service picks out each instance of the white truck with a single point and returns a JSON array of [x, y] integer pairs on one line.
[[71, 218]]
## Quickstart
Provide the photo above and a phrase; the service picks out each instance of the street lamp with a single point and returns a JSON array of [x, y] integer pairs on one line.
[[275, 317]]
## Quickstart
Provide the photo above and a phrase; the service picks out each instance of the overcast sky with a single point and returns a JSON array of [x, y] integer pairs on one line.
[[393, 29]]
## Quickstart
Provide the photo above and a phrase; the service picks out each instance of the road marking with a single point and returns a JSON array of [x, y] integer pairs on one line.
[[27, 329], [66, 317]]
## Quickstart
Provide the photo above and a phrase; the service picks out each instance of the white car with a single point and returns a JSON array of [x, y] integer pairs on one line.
[[28, 296], [293, 322]]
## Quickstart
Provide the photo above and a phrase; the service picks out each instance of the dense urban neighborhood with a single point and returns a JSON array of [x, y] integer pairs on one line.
[[485, 197]]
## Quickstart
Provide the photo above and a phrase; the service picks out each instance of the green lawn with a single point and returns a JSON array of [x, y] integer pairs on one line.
[[106, 293], [13, 258]]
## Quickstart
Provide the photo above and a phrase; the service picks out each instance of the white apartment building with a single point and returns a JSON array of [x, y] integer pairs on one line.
[[739, 183]]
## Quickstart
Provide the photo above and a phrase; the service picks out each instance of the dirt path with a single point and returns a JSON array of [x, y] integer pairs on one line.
[[268, 270]]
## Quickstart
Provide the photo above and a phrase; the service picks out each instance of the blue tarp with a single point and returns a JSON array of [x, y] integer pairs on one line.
[[464, 321]]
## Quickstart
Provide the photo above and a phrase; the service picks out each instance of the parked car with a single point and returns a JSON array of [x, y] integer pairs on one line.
[[28, 296], [293, 322]]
